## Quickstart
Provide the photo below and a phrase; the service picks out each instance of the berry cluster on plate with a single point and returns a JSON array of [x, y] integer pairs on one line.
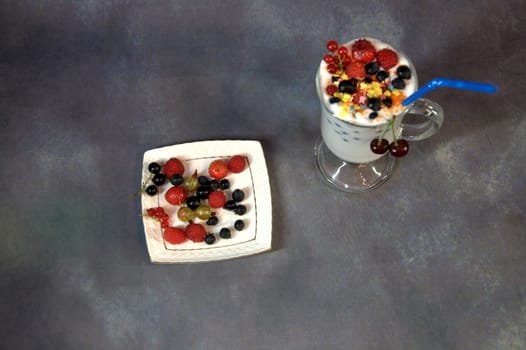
[[365, 79], [197, 198]]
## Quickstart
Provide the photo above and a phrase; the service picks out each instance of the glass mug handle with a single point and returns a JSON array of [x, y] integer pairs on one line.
[[422, 120]]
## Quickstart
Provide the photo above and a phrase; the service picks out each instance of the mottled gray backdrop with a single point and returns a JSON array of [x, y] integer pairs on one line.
[[434, 259]]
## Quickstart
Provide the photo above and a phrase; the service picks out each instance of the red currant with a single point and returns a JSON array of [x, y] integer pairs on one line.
[[332, 45], [399, 148], [159, 211], [342, 51], [331, 89], [379, 146], [328, 59], [331, 68], [346, 60]]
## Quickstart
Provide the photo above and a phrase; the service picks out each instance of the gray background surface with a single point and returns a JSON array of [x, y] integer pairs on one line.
[[434, 259]]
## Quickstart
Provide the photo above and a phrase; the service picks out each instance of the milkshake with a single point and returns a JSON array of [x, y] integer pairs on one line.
[[361, 85]]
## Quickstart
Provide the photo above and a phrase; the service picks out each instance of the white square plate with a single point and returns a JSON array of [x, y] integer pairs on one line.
[[256, 236]]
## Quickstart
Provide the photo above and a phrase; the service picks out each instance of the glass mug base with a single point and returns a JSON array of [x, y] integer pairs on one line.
[[352, 177]]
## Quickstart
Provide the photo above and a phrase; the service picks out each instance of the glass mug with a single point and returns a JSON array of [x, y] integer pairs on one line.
[[343, 154]]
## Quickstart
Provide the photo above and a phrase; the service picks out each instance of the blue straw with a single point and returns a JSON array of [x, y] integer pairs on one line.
[[451, 83]]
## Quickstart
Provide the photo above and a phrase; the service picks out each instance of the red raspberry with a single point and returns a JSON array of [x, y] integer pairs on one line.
[[387, 58], [237, 164], [173, 166], [175, 195], [195, 232], [363, 51], [174, 235], [216, 199], [218, 169], [356, 70]]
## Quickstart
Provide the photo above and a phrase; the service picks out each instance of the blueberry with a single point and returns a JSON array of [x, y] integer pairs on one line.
[[239, 225], [403, 72], [224, 184], [230, 205], [214, 185], [387, 102], [238, 195], [203, 180], [335, 78], [159, 179], [193, 202], [374, 104], [240, 209], [398, 83], [154, 168], [176, 180], [348, 86], [368, 80], [202, 191], [334, 100], [212, 221], [382, 75], [210, 238], [151, 190], [225, 233], [371, 68], [373, 115]]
